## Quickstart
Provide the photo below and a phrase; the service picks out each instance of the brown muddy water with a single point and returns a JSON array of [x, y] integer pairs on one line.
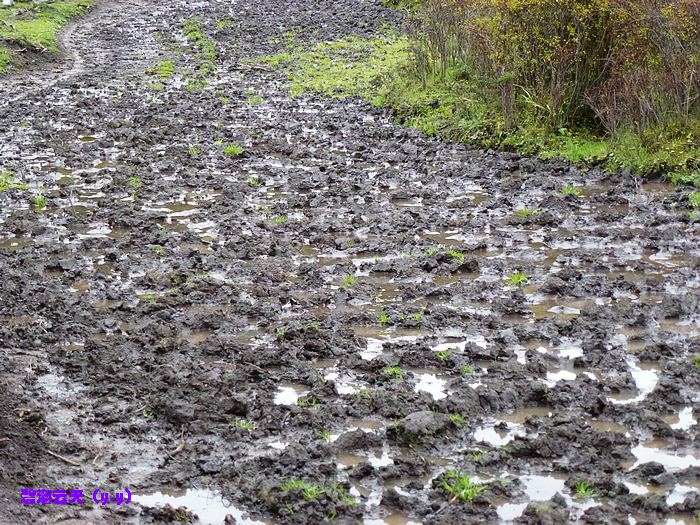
[[322, 329]]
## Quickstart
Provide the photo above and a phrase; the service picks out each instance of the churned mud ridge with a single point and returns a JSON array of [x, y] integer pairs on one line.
[[327, 303]]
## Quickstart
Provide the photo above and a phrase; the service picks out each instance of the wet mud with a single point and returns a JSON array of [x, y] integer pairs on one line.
[[330, 306]]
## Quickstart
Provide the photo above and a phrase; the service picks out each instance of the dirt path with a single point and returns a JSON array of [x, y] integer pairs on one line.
[[320, 329]]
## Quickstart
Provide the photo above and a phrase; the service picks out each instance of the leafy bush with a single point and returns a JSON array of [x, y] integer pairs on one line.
[[607, 63]]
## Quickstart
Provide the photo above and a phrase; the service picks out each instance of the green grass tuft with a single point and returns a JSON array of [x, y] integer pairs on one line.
[[517, 279], [393, 372], [584, 489], [233, 150], [460, 486]]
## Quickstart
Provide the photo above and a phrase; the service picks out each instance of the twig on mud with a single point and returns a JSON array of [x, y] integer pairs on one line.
[[94, 461], [253, 366], [2, 440], [180, 447], [144, 407], [58, 456]]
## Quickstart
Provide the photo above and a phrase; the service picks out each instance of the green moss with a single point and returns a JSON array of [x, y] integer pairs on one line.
[[348, 67], [163, 70], [35, 25]]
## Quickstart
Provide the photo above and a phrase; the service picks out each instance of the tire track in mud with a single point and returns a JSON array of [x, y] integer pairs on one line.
[[323, 325]]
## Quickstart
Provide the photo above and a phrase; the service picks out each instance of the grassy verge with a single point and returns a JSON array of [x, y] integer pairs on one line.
[[34, 26], [461, 107]]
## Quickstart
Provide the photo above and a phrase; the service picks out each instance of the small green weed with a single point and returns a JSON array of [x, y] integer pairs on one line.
[[255, 182], [443, 355], [460, 486], [457, 419], [134, 183], [307, 402], [349, 280], [244, 424], [456, 254], [363, 393], [525, 213], [280, 219], [517, 279], [584, 489], [418, 317], [39, 201], [233, 150], [466, 370], [393, 372], [571, 191], [384, 318]]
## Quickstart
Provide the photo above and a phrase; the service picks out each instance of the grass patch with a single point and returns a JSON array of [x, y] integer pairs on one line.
[[203, 52], [348, 67], [311, 491], [308, 490], [164, 70], [35, 25], [8, 182], [456, 254]]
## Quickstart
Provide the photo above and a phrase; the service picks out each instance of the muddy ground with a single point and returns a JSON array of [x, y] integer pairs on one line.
[[203, 328]]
